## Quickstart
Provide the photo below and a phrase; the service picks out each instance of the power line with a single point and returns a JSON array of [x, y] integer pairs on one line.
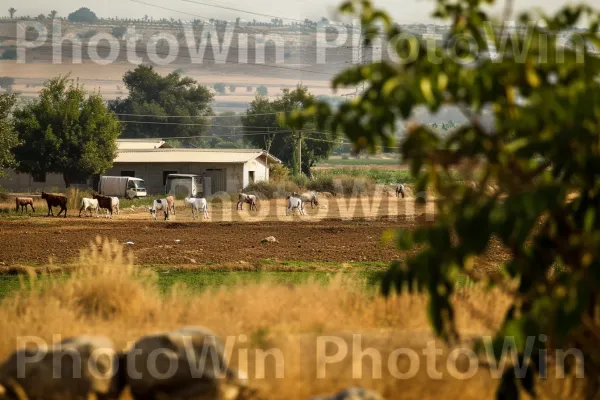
[[197, 116]]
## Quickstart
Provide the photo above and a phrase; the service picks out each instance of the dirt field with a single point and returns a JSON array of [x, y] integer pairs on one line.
[[227, 243]]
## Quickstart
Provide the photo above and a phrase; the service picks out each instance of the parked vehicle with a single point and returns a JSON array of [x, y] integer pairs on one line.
[[122, 186], [184, 185]]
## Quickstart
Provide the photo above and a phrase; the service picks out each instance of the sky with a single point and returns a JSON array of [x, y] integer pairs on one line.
[[403, 11]]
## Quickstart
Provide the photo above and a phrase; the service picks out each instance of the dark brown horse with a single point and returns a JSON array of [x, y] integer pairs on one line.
[[55, 200], [105, 202], [23, 202]]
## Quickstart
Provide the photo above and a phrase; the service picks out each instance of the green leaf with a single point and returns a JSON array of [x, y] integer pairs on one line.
[[426, 90]]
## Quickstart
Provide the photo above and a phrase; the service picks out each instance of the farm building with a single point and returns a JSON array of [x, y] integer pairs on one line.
[[153, 159]]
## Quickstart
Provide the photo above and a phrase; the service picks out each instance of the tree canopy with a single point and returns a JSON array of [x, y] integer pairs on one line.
[[264, 130], [83, 14], [8, 137], [537, 190], [66, 130], [178, 105]]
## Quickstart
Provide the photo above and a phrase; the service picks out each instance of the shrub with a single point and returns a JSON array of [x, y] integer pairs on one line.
[[267, 190], [322, 183], [9, 54], [278, 173], [301, 181], [74, 196], [118, 31], [262, 90], [3, 194], [219, 87]]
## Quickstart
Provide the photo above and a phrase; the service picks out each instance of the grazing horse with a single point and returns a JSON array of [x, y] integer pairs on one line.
[[23, 202], [171, 204], [159, 204], [55, 200], [246, 198], [400, 190]]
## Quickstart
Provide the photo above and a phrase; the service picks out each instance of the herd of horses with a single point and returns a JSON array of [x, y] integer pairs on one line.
[[168, 204]]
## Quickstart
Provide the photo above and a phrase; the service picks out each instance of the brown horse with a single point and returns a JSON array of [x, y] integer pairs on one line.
[[55, 200], [23, 202]]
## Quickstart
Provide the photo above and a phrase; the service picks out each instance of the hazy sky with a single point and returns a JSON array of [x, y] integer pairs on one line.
[[403, 11]]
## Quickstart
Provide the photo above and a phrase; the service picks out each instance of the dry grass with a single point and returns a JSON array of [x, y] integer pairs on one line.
[[107, 295]]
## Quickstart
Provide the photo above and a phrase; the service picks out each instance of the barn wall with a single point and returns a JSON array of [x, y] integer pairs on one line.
[[258, 166], [23, 183], [152, 174]]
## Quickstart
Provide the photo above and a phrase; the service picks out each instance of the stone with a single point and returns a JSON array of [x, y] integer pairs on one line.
[[185, 364], [85, 366]]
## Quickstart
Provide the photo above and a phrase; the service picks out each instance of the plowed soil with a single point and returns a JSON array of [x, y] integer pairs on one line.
[[34, 241], [208, 243]]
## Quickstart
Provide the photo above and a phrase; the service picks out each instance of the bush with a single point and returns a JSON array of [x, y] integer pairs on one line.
[[262, 90], [74, 196], [219, 87], [323, 183], [267, 190], [278, 173], [3, 194], [9, 54], [119, 31], [301, 181]]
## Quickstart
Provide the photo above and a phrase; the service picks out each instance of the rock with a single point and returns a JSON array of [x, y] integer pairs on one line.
[[86, 369], [352, 394], [185, 364], [270, 239]]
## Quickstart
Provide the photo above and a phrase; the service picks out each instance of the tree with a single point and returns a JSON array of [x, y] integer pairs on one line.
[[262, 117], [9, 54], [171, 99], [12, 12], [52, 14], [537, 192], [118, 31], [83, 14], [219, 87], [66, 130], [6, 82], [262, 90], [8, 137]]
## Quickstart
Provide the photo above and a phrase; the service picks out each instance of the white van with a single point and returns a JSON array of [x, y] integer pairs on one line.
[[122, 186], [184, 185]]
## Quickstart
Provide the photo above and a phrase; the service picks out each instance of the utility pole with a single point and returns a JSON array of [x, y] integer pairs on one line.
[[300, 153]]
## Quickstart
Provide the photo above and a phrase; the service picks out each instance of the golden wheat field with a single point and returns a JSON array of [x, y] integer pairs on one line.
[[106, 294]]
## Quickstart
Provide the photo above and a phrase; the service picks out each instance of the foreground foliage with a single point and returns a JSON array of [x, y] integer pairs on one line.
[[543, 147]]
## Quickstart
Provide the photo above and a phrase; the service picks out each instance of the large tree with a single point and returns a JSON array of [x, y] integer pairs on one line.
[[164, 106], [264, 128], [537, 192], [83, 14], [8, 136], [66, 130]]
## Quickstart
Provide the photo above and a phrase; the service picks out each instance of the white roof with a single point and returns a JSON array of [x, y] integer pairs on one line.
[[169, 155], [133, 144]]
